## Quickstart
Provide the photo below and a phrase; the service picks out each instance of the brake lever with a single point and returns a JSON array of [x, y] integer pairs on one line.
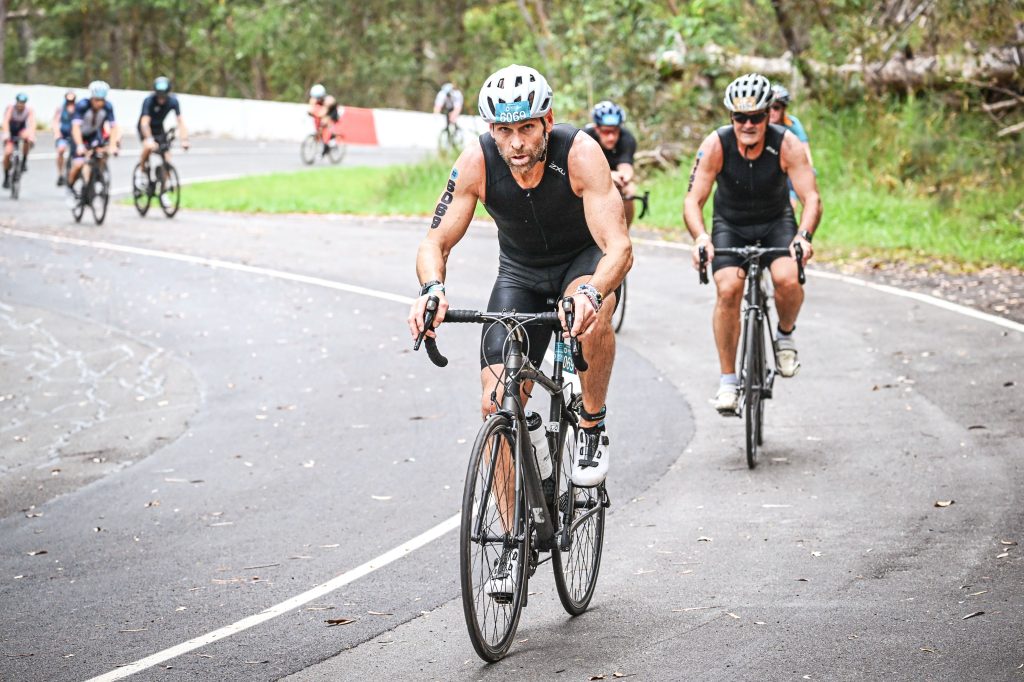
[[575, 348], [703, 272], [799, 249], [429, 342]]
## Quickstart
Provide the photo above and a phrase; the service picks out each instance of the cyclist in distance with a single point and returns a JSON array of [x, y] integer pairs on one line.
[[19, 124], [779, 116], [323, 108], [750, 161], [93, 127], [448, 101], [618, 145], [62, 131], [151, 124], [561, 232]]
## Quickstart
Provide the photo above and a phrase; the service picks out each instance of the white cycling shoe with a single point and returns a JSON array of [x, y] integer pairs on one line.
[[501, 585], [590, 467], [787, 358], [727, 399]]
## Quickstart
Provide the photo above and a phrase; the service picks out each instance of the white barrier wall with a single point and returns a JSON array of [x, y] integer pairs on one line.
[[246, 119]]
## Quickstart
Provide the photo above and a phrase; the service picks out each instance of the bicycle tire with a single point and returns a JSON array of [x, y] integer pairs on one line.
[[141, 198], [78, 210], [336, 152], [766, 343], [620, 308], [491, 624], [99, 214], [170, 185], [752, 379], [308, 149], [15, 176], [577, 566]]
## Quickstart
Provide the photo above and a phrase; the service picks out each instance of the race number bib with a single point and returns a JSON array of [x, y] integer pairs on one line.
[[511, 112]]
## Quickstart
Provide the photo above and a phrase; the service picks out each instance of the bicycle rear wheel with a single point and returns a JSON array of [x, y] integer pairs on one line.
[[753, 379], [620, 309], [100, 196], [78, 210], [170, 191], [15, 176], [576, 558], [336, 150], [484, 537], [308, 149], [140, 195]]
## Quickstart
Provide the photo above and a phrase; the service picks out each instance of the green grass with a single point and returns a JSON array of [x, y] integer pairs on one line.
[[911, 180]]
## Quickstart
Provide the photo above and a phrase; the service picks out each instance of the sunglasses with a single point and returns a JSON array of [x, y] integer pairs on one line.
[[753, 118], [778, 107]]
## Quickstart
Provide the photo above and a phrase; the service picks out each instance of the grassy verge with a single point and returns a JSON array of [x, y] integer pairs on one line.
[[908, 181]]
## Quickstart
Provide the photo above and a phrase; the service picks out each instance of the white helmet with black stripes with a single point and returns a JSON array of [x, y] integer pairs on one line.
[[514, 93], [750, 92]]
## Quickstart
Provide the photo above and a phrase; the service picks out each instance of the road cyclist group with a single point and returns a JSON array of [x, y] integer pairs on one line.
[[536, 489], [85, 131]]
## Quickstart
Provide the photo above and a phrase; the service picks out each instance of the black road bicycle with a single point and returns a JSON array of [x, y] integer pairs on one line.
[[450, 137], [159, 181], [620, 308], [756, 371], [15, 172], [507, 510], [93, 192]]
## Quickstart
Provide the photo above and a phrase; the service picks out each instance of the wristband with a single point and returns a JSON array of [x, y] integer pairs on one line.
[[806, 235], [432, 286], [591, 292]]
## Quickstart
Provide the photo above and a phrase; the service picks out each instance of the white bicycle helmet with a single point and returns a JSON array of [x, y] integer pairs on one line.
[[99, 89], [781, 94], [318, 91], [750, 92], [515, 93]]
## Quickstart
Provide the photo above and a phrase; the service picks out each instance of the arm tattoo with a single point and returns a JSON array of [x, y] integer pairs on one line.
[[693, 173], [446, 201]]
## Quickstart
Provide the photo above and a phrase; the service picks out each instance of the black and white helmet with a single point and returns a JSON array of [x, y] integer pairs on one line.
[[781, 94], [514, 93], [750, 92]]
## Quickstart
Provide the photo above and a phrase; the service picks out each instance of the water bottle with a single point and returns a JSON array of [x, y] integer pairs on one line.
[[539, 439]]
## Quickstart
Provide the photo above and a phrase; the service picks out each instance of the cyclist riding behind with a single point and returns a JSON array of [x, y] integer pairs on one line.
[[561, 232], [449, 101], [618, 145], [751, 160], [92, 128], [324, 110], [151, 125], [19, 124], [779, 116], [62, 132]]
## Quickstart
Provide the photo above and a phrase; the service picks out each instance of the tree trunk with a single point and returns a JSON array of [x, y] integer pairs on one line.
[[794, 46], [26, 38], [3, 34]]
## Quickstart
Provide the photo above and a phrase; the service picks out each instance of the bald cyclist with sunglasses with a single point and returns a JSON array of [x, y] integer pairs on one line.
[[750, 161]]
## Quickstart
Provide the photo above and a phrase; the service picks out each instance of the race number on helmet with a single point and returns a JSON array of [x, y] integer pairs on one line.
[[515, 93]]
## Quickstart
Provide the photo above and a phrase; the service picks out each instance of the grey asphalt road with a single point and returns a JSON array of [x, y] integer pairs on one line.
[[185, 445]]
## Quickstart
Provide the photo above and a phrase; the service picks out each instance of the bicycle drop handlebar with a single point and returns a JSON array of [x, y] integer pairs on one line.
[[476, 317], [749, 253]]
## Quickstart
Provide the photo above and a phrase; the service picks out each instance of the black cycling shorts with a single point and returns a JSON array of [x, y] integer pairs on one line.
[[529, 289], [777, 233]]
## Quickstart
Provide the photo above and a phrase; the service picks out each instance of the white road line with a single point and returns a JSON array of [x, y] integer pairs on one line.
[[295, 602], [885, 288], [211, 262]]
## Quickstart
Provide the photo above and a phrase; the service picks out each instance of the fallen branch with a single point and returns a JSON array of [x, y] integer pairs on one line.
[[1009, 130], [999, 106]]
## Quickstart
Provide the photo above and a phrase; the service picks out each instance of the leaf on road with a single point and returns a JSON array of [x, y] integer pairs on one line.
[[381, 498], [135, 630], [222, 523], [320, 607], [975, 427], [929, 650], [802, 580], [33, 515], [1003, 555], [152, 503], [704, 538], [815, 553], [644, 571], [975, 594], [692, 608], [972, 615], [252, 568], [595, 677], [621, 675], [331, 622], [309, 464], [944, 503], [732, 614], [1007, 542], [330, 546], [379, 613], [37, 552]]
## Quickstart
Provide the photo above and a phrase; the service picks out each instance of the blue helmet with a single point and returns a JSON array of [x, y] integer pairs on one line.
[[21, 97], [162, 85], [607, 113]]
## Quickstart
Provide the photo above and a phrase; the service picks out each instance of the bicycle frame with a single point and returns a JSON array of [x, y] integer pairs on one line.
[[755, 304]]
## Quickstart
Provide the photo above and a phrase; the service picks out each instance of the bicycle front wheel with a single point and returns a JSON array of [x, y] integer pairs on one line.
[[579, 541], [494, 524], [308, 149], [170, 191], [753, 380], [15, 177], [620, 308], [100, 197], [140, 195]]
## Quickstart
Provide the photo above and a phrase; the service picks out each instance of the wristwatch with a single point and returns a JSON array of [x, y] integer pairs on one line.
[[430, 286], [806, 235]]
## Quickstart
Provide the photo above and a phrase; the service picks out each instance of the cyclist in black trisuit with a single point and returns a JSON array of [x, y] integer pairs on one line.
[[750, 161], [618, 145], [561, 232], [151, 125]]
